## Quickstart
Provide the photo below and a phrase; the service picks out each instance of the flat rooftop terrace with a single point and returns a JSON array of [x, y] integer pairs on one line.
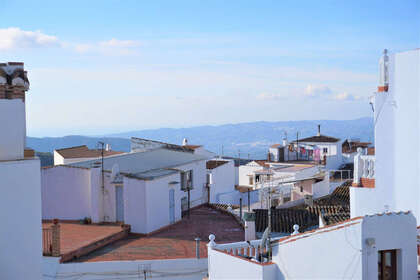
[[74, 235], [175, 241]]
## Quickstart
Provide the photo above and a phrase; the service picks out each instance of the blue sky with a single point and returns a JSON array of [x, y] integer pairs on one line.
[[98, 67]]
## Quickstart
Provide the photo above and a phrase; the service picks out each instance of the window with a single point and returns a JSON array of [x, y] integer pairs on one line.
[[257, 178], [325, 150], [251, 180], [301, 189], [187, 180], [387, 265]]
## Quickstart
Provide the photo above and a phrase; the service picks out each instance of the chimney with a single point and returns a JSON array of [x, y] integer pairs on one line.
[[383, 72], [319, 130], [108, 147], [13, 86], [184, 142]]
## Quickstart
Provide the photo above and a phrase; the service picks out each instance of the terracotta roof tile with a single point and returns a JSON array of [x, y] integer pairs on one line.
[[84, 152], [212, 164], [319, 139]]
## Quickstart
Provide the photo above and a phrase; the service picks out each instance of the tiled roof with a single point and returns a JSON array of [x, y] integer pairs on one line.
[[276, 145], [192, 147], [262, 163], [84, 152], [212, 164], [319, 139], [351, 147], [336, 207]]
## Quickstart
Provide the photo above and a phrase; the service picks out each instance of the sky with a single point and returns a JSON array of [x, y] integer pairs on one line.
[[99, 67]]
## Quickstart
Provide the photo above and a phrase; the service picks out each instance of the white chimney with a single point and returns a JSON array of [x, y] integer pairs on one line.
[[108, 147], [319, 130], [184, 142]]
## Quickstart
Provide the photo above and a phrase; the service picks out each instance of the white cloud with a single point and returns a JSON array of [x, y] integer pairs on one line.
[[14, 38], [270, 96], [115, 43], [317, 91], [110, 47], [323, 91]]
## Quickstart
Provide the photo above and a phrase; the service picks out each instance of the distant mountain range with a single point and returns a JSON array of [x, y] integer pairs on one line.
[[249, 139]]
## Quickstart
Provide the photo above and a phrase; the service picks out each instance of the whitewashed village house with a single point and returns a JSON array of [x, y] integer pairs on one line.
[[147, 189], [319, 149], [297, 180], [381, 240], [220, 178], [20, 202]]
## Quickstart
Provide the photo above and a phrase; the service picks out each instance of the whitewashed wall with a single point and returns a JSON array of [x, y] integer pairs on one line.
[[12, 129], [157, 201], [397, 134], [65, 193], [321, 188], [224, 266], [405, 86], [20, 215], [244, 171], [59, 159], [177, 269], [135, 208], [223, 180], [390, 231]]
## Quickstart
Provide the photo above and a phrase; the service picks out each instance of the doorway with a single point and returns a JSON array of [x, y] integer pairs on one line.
[[172, 206], [387, 265], [119, 204]]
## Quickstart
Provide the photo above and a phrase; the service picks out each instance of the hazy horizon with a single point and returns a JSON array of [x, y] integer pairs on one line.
[[114, 132]]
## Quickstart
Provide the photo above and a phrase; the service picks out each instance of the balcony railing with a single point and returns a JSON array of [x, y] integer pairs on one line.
[[364, 167], [251, 250]]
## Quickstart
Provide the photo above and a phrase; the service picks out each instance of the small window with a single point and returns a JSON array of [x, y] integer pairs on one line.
[[325, 150], [187, 180], [251, 180], [301, 189]]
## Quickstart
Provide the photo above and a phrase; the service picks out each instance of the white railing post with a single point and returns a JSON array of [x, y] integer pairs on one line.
[[358, 167]]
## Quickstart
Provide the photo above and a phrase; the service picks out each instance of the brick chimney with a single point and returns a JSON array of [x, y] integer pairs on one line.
[[13, 86]]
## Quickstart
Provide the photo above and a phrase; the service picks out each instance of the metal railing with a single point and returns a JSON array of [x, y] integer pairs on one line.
[[47, 241], [340, 175]]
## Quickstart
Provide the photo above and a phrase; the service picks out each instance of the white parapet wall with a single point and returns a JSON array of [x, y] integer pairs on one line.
[[347, 250], [176, 269], [20, 215]]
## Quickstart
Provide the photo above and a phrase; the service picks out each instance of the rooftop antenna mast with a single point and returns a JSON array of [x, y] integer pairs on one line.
[[103, 177]]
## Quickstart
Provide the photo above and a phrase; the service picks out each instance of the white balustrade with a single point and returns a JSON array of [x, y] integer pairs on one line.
[[252, 248], [364, 167]]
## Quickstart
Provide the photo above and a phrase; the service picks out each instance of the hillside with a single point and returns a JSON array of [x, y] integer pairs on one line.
[[247, 138]]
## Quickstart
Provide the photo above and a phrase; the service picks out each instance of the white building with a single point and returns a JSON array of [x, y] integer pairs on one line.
[[360, 248], [221, 178], [20, 202], [396, 164], [147, 190], [294, 181], [81, 153]]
